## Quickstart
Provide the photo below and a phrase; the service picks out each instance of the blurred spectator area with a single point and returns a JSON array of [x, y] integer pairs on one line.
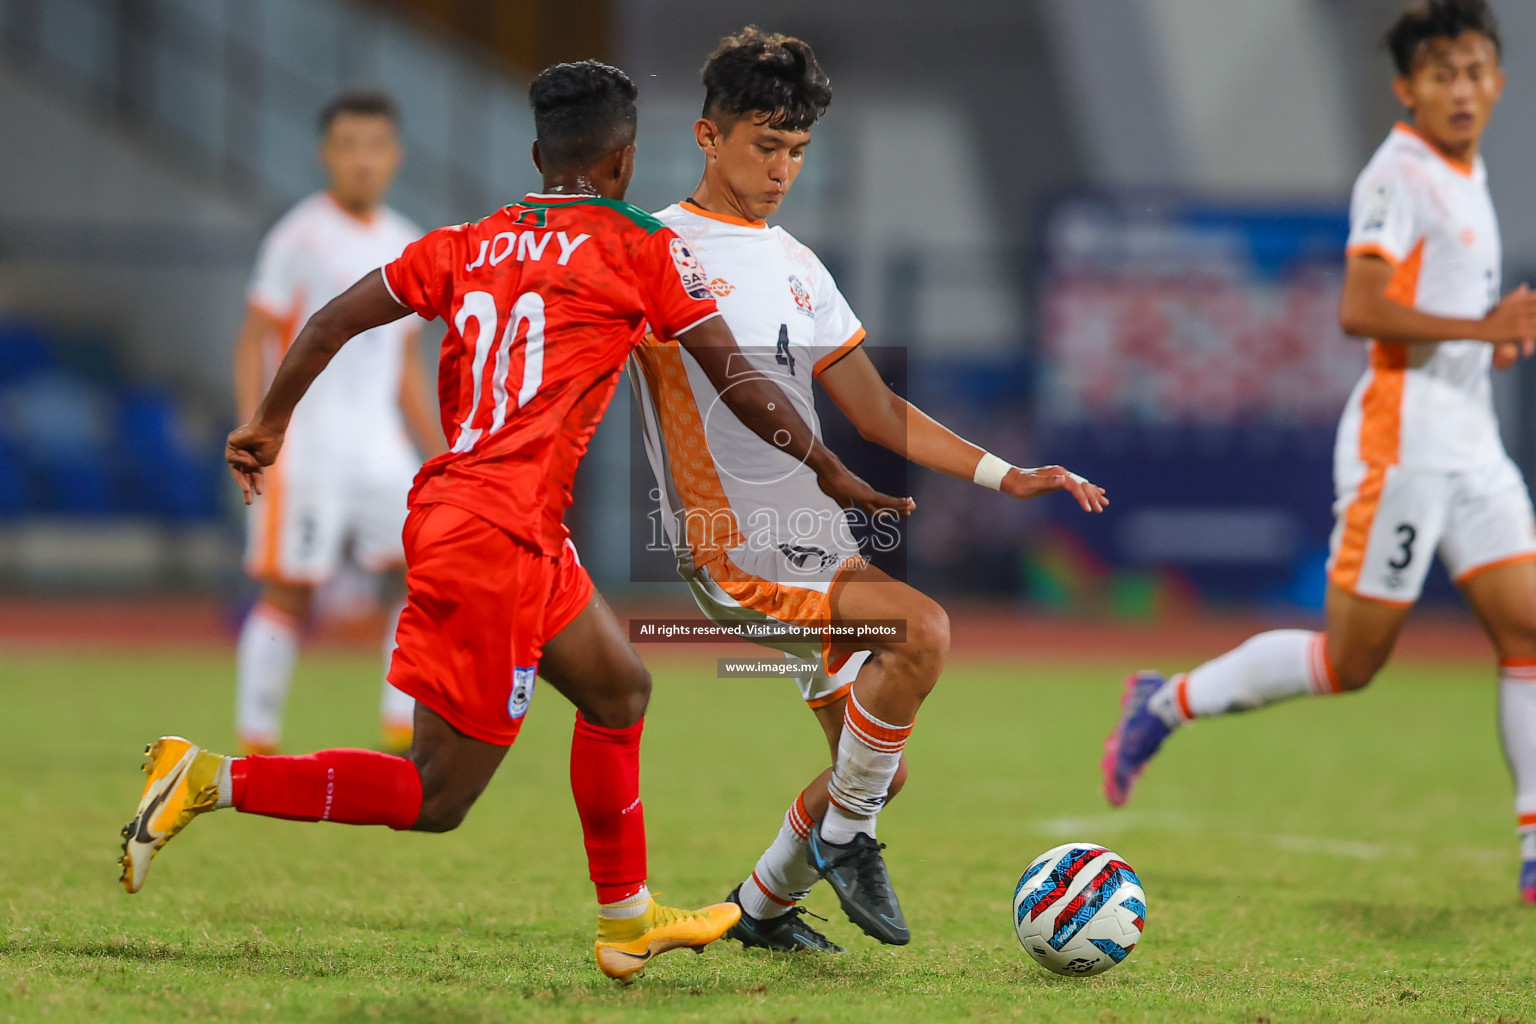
[[103, 479], [1105, 233]]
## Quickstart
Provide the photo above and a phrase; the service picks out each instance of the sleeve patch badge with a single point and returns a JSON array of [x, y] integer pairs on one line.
[[689, 270], [801, 295], [1376, 213]]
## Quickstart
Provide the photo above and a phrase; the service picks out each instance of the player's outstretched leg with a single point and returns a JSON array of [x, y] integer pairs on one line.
[[782, 877], [358, 787], [1263, 670], [591, 662], [431, 791], [877, 719], [1504, 598]]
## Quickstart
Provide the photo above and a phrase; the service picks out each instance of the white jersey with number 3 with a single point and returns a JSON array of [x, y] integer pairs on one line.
[[1426, 405], [1419, 467]]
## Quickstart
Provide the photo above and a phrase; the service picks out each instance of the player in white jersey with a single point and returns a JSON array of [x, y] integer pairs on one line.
[[343, 490], [756, 539], [1419, 467]]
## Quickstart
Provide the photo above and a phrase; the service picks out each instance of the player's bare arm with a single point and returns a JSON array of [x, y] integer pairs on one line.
[[765, 410], [258, 326], [882, 416], [1367, 310], [364, 306], [416, 403]]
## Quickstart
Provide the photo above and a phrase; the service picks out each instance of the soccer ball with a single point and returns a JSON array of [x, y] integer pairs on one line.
[[1079, 909]]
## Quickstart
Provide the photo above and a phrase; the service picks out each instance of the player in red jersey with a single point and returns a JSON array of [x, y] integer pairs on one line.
[[544, 300]]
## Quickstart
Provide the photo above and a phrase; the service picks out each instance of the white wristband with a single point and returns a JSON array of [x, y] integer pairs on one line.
[[990, 471]]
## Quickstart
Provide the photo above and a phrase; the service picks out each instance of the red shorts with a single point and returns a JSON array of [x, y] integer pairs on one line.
[[480, 606]]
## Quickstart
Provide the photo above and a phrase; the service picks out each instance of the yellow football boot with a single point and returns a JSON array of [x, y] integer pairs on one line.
[[626, 945], [183, 783]]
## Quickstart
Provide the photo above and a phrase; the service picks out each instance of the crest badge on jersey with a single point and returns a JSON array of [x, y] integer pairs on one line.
[[522, 691], [690, 270], [802, 296], [1376, 213]]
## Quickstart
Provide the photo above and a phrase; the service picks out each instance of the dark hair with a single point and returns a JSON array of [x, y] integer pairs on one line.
[[1438, 19], [753, 72], [367, 104], [581, 111]]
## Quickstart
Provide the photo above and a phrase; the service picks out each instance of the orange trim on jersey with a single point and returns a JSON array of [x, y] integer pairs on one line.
[[724, 218], [831, 357], [1497, 563], [710, 527], [1459, 166], [1381, 424], [1372, 249], [1526, 821], [265, 563], [1404, 286], [1357, 530], [1518, 662], [831, 698]]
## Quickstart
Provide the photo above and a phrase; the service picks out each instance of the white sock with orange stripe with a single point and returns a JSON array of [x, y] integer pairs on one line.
[[868, 754], [1517, 726], [1264, 669], [269, 644], [782, 876]]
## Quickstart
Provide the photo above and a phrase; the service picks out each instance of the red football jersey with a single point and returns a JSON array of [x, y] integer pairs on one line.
[[543, 300]]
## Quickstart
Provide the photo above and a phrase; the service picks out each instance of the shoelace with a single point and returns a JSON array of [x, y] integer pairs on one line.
[[668, 915], [866, 864], [799, 911]]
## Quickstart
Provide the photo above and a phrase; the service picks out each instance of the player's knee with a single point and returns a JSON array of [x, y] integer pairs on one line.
[[625, 704], [1356, 673], [927, 641], [442, 813], [1517, 639], [292, 599]]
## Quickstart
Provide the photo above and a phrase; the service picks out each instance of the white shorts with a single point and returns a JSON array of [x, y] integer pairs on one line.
[[818, 687], [1389, 521], [307, 521]]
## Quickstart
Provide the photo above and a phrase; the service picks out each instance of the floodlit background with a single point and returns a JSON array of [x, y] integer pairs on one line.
[[1099, 232]]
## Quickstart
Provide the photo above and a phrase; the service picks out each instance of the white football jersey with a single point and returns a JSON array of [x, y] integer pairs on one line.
[[1426, 405], [316, 251], [790, 321]]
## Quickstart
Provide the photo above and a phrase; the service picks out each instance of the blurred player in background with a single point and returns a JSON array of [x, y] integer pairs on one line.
[[544, 300], [1419, 466], [756, 539], [340, 486]]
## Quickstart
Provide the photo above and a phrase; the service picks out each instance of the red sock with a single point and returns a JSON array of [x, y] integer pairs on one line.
[[605, 780], [354, 787]]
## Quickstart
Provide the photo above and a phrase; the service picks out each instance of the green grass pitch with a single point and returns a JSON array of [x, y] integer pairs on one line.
[[1343, 860]]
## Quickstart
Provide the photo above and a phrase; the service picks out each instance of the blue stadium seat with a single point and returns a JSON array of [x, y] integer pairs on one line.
[[167, 474], [24, 349], [13, 482]]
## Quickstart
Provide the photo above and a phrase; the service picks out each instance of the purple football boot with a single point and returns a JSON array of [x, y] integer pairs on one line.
[[1137, 736]]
